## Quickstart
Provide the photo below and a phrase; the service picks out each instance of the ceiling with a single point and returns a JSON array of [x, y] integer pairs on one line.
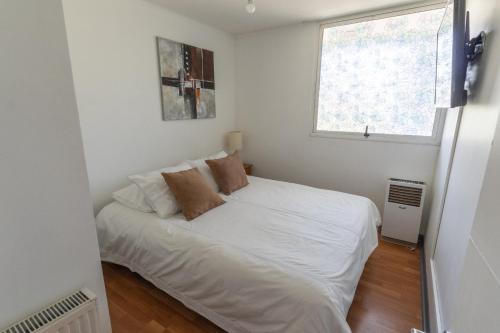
[[230, 15]]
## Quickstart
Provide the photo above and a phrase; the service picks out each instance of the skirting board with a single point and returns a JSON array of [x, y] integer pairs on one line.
[[432, 298], [424, 288]]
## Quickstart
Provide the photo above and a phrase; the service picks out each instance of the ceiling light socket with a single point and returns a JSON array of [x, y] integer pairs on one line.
[[250, 7]]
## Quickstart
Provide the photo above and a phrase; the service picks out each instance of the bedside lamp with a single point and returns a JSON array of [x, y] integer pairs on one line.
[[234, 141]]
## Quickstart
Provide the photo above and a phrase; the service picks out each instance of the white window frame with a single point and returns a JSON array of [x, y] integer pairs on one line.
[[440, 116]]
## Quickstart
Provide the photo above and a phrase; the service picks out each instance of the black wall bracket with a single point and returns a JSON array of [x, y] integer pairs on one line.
[[475, 47]]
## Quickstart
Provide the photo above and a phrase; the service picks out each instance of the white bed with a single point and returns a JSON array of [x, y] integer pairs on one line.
[[276, 257]]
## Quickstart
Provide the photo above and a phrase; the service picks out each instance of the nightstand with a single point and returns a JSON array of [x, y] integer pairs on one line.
[[248, 168]]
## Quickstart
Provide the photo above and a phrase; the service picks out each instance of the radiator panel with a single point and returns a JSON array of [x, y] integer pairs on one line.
[[76, 313]]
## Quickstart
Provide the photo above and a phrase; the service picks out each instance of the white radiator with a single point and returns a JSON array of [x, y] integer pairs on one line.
[[76, 313]]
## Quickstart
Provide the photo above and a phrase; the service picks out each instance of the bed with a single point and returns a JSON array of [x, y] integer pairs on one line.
[[276, 257]]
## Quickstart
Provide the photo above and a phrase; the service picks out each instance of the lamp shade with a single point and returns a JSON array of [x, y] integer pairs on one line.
[[234, 141]]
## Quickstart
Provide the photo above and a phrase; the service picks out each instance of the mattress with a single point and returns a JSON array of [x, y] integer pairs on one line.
[[276, 257]]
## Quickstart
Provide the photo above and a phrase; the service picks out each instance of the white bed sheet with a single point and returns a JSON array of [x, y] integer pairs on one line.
[[276, 257]]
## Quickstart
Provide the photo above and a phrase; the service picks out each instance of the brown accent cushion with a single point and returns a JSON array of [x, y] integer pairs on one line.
[[192, 192], [229, 173]]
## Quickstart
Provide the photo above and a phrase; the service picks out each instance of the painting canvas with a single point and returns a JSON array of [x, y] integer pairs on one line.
[[187, 80]]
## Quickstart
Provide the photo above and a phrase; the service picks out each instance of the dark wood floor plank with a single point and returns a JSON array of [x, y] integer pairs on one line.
[[387, 299]]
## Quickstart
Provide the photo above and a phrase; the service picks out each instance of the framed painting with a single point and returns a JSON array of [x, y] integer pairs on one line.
[[187, 80]]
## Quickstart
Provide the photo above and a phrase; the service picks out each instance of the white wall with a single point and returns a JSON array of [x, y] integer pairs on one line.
[[439, 188], [478, 296], [48, 243], [441, 176], [114, 60], [477, 129], [479, 287], [466, 262], [275, 76]]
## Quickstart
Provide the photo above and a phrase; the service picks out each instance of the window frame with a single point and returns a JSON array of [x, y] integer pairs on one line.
[[440, 115]]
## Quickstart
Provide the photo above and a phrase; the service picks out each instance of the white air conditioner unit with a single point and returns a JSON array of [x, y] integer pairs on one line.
[[404, 202]]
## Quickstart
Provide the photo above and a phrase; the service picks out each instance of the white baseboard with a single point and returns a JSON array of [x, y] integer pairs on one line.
[[433, 297]]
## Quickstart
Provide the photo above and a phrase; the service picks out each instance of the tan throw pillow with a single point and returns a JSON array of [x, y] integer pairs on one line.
[[229, 173], [192, 192]]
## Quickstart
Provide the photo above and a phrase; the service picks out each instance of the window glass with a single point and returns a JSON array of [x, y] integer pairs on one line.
[[380, 74]]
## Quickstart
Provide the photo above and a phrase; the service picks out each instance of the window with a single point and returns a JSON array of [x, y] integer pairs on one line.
[[380, 73]]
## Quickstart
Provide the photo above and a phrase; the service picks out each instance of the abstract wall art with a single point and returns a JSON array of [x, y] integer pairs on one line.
[[187, 80]]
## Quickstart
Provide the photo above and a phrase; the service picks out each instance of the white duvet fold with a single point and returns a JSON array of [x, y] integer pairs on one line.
[[277, 257]]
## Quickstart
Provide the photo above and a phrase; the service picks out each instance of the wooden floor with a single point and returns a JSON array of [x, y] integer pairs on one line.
[[387, 299]]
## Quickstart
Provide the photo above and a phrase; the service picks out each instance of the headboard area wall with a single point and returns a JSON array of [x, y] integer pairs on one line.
[[115, 66]]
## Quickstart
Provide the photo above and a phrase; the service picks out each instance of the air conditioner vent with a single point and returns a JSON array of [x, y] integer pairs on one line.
[[405, 195], [416, 182]]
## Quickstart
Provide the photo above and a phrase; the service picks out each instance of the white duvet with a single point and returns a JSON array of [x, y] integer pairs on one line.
[[276, 257]]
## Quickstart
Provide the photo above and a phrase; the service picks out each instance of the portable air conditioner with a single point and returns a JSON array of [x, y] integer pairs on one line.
[[404, 202]]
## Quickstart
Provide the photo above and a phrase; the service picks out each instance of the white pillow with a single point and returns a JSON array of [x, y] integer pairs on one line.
[[156, 190], [132, 197], [205, 169]]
